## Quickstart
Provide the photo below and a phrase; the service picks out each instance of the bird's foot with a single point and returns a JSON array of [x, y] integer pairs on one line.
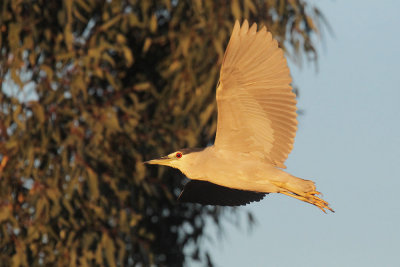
[[312, 198]]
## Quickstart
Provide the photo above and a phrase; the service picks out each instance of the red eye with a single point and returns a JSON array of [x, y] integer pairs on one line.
[[178, 155]]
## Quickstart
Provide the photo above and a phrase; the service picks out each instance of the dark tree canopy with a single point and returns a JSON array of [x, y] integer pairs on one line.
[[92, 88]]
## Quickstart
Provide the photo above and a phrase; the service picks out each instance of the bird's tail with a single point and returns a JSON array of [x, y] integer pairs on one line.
[[304, 190]]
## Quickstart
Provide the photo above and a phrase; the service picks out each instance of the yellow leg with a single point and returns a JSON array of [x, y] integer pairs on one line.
[[311, 198]]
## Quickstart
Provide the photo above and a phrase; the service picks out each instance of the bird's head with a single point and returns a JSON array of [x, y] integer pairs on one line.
[[179, 159]]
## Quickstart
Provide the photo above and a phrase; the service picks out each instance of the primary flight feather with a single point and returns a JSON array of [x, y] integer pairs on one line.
[[255, 130]]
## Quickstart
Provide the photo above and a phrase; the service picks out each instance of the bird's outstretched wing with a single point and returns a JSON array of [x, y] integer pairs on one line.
[[256, 105], [207, 193]]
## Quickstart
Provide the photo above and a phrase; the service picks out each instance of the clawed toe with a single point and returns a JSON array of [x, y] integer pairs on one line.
[[315, 193], [311, 198]]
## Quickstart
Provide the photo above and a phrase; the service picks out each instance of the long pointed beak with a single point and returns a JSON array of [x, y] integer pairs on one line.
[[160, 161]]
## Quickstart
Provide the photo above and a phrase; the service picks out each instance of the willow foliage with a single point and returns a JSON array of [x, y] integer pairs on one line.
[[89, 90]]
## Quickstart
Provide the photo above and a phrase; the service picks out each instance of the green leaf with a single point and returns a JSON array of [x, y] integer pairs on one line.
[[4, 213], [110, 23], [93, 184], [13, 35], [38, 111], [99, 254], [128, 56], [236, 9], [146, 45], [68, 36], [153, 23], [109, 249]]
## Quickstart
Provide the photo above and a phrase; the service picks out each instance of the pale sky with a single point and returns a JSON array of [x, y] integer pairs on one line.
[[348, 143]]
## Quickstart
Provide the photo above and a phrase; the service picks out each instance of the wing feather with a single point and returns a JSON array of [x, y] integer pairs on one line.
[[256, 105], [207, 193]]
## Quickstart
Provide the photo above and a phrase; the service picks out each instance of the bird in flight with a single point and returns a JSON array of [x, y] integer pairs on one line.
[[255, 130]]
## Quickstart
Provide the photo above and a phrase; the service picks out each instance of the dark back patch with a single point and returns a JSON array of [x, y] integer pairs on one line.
[[207, 193]]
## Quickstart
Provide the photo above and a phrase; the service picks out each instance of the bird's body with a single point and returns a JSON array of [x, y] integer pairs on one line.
[[246, 171], [255, 130]]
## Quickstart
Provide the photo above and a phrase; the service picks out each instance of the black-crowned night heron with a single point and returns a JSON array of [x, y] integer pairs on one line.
[[255, 131]]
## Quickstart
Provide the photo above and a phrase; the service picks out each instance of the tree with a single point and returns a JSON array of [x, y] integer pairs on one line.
[[89, 90]]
